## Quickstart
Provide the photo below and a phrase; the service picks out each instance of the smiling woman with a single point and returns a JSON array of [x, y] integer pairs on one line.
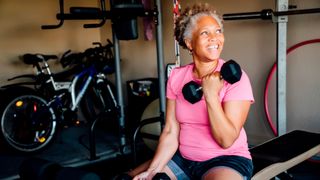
[[217, 119]]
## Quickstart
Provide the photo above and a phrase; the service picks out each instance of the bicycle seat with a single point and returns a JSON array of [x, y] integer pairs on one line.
[[36, 58]]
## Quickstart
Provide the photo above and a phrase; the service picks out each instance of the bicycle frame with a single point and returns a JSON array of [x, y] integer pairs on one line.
[[71, 86]]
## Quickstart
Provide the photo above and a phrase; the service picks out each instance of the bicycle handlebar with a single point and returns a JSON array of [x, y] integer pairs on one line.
[[90, 55]]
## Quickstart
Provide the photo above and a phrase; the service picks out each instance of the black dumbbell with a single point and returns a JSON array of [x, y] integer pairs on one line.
[[161, 176], [158, 176], [230, 72]]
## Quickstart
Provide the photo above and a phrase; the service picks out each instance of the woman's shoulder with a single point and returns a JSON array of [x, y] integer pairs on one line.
[[181, 73], [183, 68]]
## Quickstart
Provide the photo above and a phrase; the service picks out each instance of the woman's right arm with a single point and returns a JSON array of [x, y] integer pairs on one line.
[[168, 143]]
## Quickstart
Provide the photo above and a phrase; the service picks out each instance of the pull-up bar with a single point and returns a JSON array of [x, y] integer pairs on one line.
[[267, 14], [118, 11], [61, 7]]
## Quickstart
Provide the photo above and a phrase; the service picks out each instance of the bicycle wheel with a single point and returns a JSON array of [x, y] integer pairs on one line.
[[27, 124], [99, 101]]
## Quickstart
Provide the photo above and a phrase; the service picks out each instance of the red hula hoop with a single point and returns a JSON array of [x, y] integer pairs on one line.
[[273, 69]]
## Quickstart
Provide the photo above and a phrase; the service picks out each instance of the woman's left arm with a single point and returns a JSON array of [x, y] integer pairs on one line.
[[227, 119]]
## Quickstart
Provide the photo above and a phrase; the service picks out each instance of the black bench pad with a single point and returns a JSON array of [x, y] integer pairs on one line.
[[284, 148]]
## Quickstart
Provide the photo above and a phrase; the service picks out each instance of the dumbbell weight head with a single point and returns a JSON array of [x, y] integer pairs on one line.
[[230, 71], [192, 92], [161, 176]]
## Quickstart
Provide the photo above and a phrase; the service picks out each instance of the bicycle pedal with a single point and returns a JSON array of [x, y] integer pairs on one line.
[[39, 137]]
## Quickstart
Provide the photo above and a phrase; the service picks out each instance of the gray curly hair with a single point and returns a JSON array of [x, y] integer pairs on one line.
[[185, 23]]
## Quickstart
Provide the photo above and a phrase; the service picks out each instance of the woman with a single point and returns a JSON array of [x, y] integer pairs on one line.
[[205, 140]]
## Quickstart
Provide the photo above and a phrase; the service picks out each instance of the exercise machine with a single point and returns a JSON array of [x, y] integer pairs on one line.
[[287, 149], [121, 14], [280, 18]]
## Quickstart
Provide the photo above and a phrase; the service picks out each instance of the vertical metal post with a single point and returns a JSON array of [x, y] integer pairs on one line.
[[160, 61], [118, 82], [282, 5]]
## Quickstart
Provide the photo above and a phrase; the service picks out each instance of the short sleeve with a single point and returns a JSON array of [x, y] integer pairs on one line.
[[170, 93], [240, 90]]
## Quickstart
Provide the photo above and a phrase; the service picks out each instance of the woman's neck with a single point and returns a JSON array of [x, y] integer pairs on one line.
[[201, 69]]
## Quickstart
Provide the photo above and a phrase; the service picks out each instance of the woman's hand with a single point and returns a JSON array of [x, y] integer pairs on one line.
[[211, 85], [146, 175]]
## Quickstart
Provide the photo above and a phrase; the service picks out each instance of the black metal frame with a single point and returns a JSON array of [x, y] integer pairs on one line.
[[117, 12], [267, 14]]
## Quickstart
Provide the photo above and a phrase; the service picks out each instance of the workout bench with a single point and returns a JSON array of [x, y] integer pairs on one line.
[[281, 153], [269, 159], [273, 157]]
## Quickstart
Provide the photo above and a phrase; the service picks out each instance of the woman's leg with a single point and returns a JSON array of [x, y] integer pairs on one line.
[[222, 173], [225, 167], [168, 171], [143, 167]]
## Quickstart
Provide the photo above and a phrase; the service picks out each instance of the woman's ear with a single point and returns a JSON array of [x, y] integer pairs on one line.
[[188, 44]]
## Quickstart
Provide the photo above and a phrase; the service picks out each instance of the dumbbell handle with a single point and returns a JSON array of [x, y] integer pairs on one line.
[[230, 72], [200, 87]]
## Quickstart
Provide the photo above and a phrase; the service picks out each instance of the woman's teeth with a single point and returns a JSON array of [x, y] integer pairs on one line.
[[214, 46]]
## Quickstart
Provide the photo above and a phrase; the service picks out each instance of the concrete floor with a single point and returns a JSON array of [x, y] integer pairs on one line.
[[70, 148]]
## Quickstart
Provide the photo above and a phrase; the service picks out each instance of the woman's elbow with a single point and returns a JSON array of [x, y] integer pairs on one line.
[[225, 144]]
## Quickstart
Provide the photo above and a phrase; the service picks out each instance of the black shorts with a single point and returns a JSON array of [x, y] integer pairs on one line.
[[187, 169]]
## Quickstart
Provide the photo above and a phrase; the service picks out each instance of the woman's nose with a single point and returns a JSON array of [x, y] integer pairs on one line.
[[213, 37]]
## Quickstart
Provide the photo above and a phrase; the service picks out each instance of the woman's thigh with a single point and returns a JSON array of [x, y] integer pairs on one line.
[[222, 173], [225, 166]]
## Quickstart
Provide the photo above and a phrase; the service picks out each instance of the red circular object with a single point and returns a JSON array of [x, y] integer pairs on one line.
[[273, 69]]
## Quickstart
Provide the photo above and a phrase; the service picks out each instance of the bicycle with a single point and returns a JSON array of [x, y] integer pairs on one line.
[[30, 116]]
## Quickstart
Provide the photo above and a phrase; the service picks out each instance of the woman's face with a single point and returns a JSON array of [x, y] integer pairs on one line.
[[207, 39]]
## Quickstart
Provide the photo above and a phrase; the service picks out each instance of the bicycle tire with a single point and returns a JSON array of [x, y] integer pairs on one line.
[[28, 125], [99, 103]]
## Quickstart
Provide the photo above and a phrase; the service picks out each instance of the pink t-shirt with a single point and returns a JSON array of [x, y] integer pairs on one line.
[[195, 140]]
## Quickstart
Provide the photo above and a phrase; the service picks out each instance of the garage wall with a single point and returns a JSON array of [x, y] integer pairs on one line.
[[250, 42], [21, 32]]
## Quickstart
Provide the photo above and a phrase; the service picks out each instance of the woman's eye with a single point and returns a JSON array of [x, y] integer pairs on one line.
[[204, 33], [219, 31]]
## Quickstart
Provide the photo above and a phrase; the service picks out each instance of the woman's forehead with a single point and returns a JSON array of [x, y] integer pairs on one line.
[[206, 21]]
